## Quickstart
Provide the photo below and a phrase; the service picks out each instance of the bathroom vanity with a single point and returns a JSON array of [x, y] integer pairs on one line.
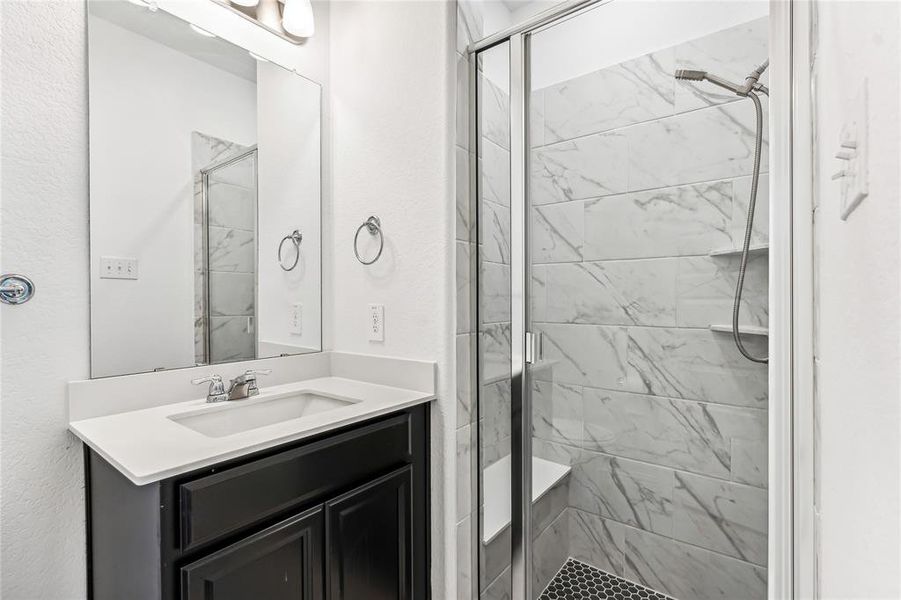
[[316, 487], [341, 515]]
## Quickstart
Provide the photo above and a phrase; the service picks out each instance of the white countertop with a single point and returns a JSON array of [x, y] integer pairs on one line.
[[146, 445]]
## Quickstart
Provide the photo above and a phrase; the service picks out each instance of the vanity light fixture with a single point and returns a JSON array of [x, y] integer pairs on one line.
[[297, 18], [201, 31]]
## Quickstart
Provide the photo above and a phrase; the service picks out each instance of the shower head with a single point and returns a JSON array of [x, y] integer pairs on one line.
[[744, 89], [690, 74]]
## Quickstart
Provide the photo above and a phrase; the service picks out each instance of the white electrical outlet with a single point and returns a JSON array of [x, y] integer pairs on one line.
[[296, 326], [376, 322], [112, 267]]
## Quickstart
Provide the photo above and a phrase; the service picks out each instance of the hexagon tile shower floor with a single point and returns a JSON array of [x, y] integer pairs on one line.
[[578, 581]]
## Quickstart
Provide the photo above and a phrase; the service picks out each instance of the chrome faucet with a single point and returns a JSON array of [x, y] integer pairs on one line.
[[245, 385], [217, 392]]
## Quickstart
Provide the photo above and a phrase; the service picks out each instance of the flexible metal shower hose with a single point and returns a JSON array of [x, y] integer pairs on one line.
[[752, 203]]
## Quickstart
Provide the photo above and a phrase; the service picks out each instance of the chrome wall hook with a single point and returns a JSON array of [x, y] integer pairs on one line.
[[15, 289]]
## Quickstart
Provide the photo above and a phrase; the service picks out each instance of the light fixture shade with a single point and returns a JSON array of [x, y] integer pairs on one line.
[[247, 3], [297, 18]]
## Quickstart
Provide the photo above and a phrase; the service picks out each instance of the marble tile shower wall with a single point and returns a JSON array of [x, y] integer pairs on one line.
[[232, 252], [635, 179], [468, 28]]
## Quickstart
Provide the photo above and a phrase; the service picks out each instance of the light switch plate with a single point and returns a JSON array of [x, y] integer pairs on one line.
[[854, 153], [376, 323], [112, 267]]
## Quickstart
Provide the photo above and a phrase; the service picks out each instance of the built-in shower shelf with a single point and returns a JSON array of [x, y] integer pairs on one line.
[[755, 249], [496, 511], [743, 329]]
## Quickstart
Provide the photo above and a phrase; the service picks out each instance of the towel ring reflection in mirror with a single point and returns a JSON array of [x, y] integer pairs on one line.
[[374, 226], [295, 238]]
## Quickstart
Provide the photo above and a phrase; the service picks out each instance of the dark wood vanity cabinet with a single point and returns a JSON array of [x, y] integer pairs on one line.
[[343, 516]]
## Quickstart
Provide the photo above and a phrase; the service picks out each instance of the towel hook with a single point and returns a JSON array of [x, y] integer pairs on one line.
[[374, 226], [296, 238]]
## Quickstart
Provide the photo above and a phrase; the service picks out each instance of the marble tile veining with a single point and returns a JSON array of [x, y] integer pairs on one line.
[[232, 294], [586, 354], [634, 292], [232, 206], [705, 290], [465, 373], [726, 517], [494, 104], [494, 349], [494, 234], [494, 171], [742, 193], [232, 250], [695, 364], [557, 412], [681, 434], [463, 479], [636, 90], [231, 339], [464, 286], [587, 167], [626, 491], [704, 145], [597, 541], [730, 53], [464, 211], [557, 232], [494, 293], [685, 571], [549, 551], [684, 220]]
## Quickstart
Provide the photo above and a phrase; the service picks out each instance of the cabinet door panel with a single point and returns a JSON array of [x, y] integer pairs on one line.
[[368, 541], [282, 562]]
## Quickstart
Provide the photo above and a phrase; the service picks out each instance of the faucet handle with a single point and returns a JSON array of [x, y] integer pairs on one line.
[[216, 392], [250, 375]]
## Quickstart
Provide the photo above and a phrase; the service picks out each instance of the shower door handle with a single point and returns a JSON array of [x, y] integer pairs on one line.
[[533, 347]]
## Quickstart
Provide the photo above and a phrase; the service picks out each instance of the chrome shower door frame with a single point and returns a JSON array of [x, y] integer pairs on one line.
[[205, 200], [791, 572]]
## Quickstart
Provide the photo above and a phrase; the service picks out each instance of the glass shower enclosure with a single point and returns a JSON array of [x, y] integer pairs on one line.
[[622, 439]]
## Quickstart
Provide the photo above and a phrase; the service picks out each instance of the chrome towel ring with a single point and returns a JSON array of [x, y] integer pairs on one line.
[[374, 227], [296, 238]]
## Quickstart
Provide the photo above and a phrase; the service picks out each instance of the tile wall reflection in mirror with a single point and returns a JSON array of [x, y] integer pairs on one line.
[[195, 197]]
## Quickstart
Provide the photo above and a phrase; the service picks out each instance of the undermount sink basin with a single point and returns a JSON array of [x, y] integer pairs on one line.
[[236, 416]]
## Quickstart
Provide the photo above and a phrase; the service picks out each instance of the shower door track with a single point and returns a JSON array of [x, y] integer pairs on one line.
[[791, 544]]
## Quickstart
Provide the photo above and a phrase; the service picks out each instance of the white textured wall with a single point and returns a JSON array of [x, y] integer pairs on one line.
[[45, 342], [290, 181], [392, 120], [857, 272]]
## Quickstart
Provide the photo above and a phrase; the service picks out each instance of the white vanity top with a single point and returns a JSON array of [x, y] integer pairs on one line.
[[150, 444]]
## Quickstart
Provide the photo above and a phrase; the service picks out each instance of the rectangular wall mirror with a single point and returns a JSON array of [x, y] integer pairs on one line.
[[205, 210]]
